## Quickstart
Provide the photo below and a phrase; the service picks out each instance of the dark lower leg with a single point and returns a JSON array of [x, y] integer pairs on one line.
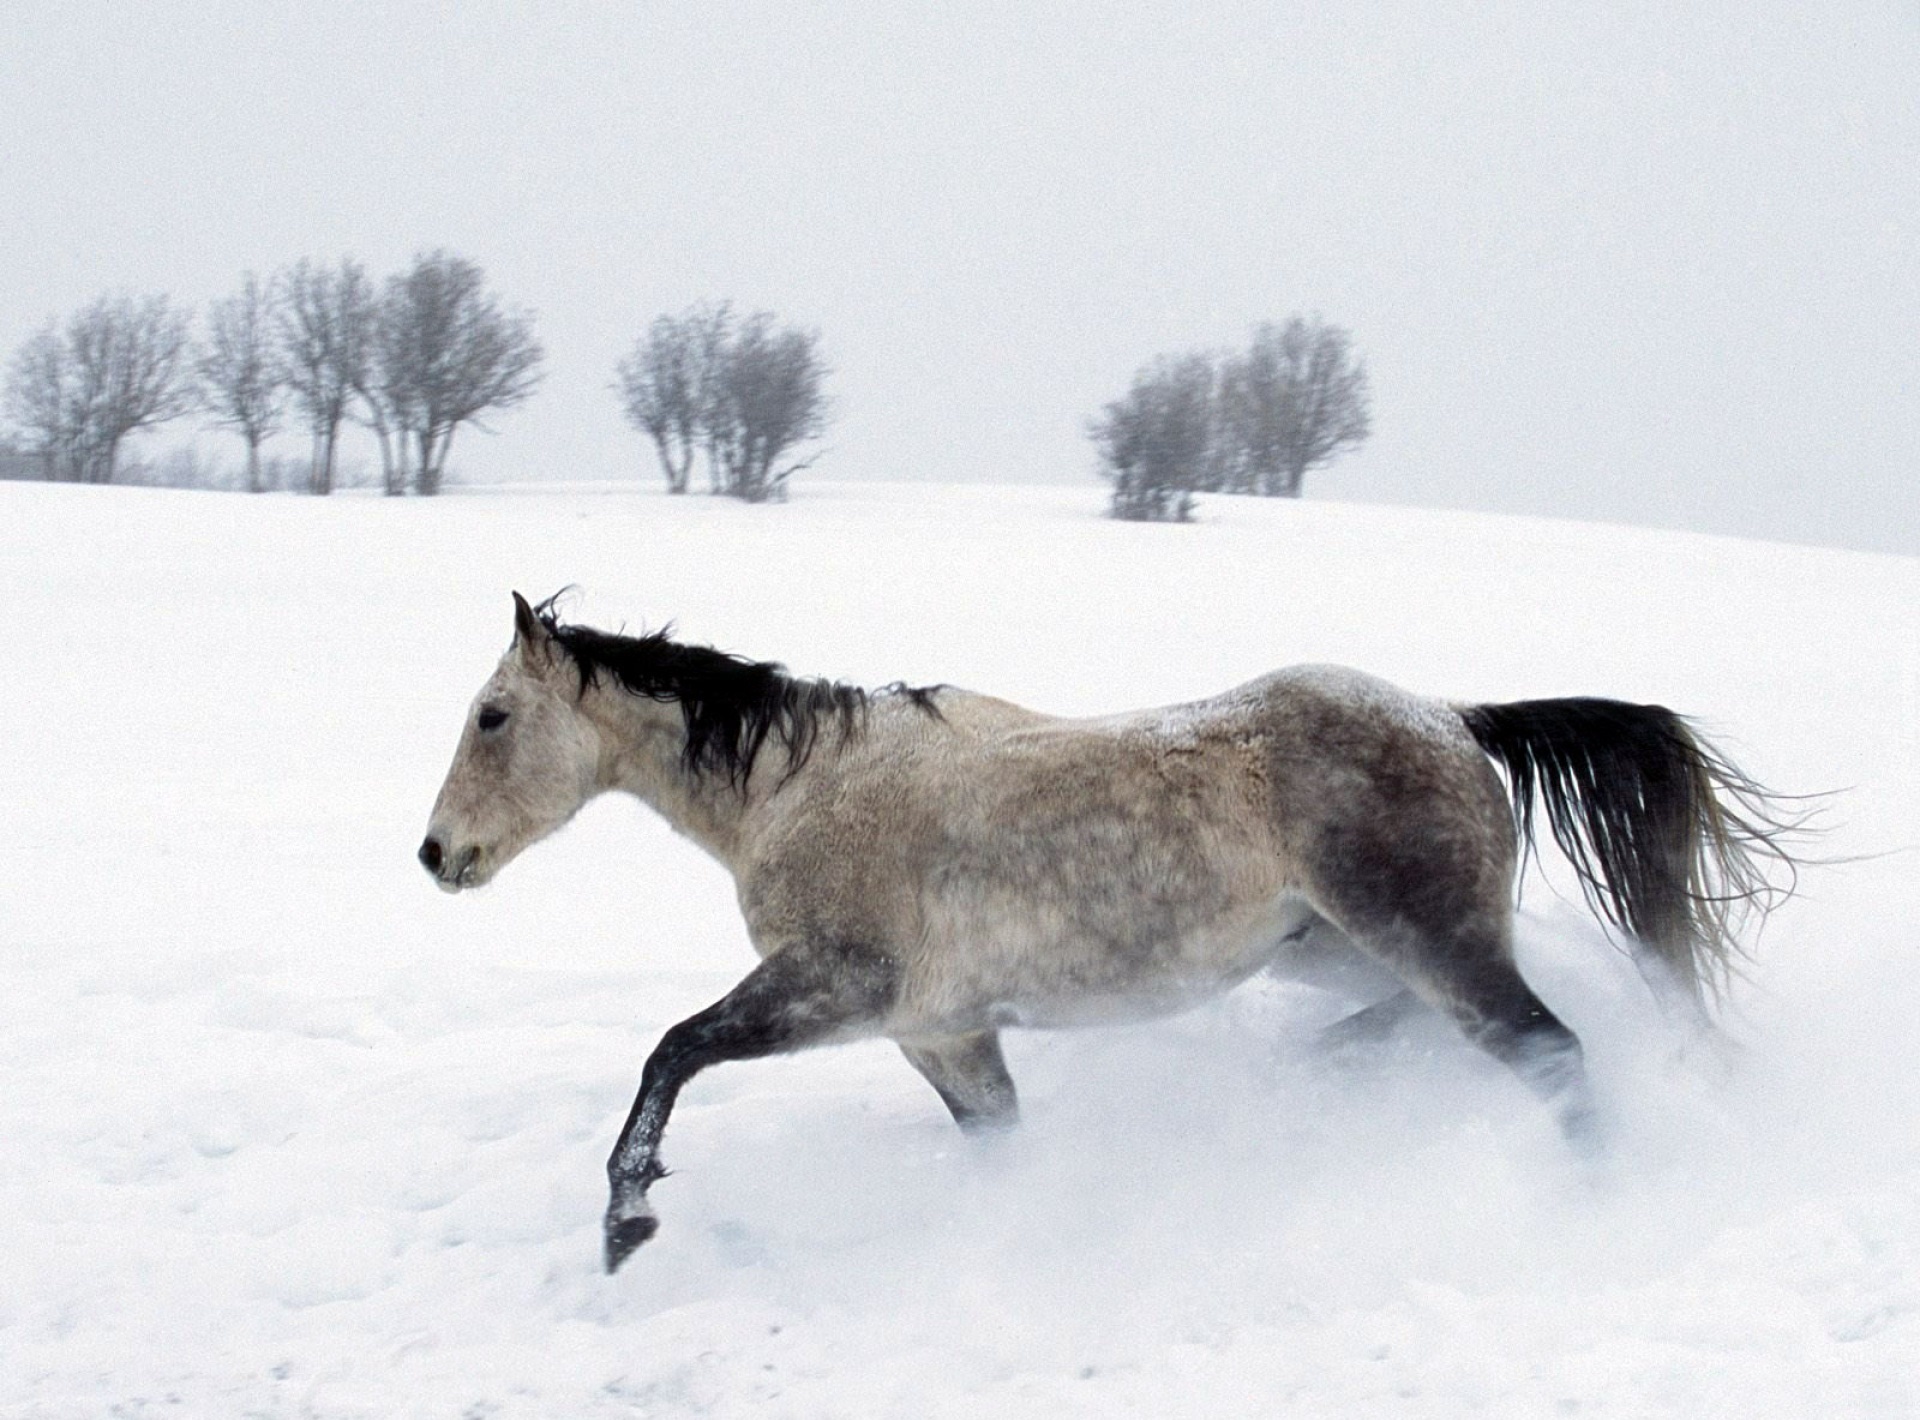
[[801, 995], [1515, 1027]]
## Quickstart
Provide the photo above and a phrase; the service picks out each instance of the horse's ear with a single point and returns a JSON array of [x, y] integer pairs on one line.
[[527, 630]]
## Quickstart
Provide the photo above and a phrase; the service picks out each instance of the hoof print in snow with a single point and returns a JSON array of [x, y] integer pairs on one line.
[[624, 1239]]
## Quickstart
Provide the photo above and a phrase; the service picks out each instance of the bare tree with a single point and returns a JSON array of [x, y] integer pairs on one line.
[[120, 365], [748, 393], [1294, 401], [450, 354], [15, 463], [325, 325], [37, 402], [1155, 444], [388, 406], [132, 357], [1250, 423], [665, 384], [766, 403], [239, 369], [710, 331]]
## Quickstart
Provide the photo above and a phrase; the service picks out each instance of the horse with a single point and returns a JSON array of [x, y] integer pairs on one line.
[[933, 865]]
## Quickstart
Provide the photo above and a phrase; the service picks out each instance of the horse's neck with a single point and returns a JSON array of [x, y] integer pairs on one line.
[[644, 754]]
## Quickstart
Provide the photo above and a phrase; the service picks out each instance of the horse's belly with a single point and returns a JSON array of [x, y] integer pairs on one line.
[[1322, 956], [1112, 1004], [1047, 970]]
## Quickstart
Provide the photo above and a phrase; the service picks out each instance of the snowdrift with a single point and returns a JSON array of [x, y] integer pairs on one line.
[[290, 1133]]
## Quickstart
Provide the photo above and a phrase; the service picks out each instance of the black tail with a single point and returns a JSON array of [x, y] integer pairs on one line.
[[1670, 840]]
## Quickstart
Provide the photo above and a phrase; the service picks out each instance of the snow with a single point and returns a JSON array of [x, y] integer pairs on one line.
[[290, 1133]]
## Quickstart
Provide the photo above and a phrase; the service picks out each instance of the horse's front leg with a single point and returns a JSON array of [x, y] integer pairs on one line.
[[971, 1076], [804, 994]]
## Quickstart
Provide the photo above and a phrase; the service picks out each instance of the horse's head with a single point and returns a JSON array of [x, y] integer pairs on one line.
[[528, 759]]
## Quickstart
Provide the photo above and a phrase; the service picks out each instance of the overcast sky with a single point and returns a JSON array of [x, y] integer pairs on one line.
[[1641, 262]]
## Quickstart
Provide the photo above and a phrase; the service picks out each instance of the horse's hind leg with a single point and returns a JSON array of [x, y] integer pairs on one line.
[[1371, 1024], [1451, 943], [801, 995], [1500, 1013], [971, 1077]]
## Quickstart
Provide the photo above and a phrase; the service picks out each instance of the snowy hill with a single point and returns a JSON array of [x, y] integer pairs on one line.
[[289, 1133]]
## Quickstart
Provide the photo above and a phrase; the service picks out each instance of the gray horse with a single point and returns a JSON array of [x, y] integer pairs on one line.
[[931, 865]]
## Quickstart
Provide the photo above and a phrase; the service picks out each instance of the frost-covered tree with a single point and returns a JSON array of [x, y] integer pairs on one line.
[[767, 402], [1248, 422], [1294, 401], [1155, 443], [748, 392], [448, 354], [238, 364], [325, 323], [666, 383], [76, 392], [385, 404], [38, 404], [15, 463]]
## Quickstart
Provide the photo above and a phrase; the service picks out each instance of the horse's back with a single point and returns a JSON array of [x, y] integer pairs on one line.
[[1261, 773]]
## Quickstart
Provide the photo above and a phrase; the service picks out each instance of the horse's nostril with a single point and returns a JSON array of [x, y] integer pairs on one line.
[[430, 855]]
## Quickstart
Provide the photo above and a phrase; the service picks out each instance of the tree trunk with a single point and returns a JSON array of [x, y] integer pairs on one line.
[[675, 469], [320, 481], [440, 459], [433, 456], [402, 453], [392, 473]]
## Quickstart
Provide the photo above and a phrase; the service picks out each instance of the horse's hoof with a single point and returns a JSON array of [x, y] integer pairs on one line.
[[624, 1238]]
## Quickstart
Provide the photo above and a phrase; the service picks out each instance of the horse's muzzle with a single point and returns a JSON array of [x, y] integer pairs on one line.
[[451, 871]]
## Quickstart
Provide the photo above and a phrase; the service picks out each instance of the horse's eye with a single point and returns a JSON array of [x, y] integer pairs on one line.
[[492, 719]]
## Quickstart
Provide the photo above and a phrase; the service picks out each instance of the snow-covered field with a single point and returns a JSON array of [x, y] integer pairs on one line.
[[289, 1133]]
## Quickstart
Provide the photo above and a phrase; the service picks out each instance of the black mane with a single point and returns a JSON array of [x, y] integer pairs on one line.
[[731, 705]]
